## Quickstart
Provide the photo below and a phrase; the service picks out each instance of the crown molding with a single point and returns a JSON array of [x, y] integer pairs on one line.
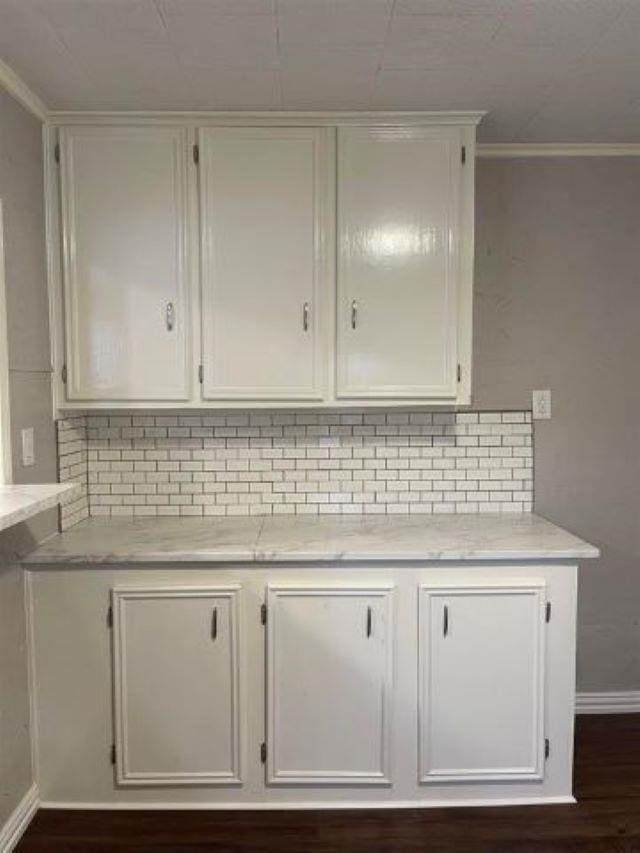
[[16, 87], [559, 150]]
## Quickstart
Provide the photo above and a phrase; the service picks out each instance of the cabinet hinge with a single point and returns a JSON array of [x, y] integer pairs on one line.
[[196, 154], [112, 753], [110, 617], [263, 752], [200, 374], [56, 152], [64, 373], [547, 612], [547, 748], [459, 373], [263, 614], [463, 154]]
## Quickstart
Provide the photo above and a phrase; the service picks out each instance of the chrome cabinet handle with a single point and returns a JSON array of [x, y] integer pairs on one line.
[[445, 623], [170, 316], [214, 624], [305, 316], [368, 621], [354, 314]]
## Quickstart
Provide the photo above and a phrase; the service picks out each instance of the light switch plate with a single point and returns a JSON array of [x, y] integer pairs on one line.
[[28, 449], [541, 405]]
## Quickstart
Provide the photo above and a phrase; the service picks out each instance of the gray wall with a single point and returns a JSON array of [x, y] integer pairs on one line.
[[558, 306], [21, 191]]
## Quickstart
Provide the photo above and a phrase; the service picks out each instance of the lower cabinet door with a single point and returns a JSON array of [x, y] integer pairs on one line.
[[329, 684], [481, 661], [176, 667]]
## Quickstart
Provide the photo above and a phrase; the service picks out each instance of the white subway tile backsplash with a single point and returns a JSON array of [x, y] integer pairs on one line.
[[305, 463]]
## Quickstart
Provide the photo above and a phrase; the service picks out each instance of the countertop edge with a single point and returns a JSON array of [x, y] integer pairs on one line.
[[32, 505], [306, 557]]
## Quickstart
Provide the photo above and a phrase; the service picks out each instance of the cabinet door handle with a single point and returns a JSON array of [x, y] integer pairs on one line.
[[305, 316], [369, 617], [170, 316], [445, 621], [354, 314], [214, 624]]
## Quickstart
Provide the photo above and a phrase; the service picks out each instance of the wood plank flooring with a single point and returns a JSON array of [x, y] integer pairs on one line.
[[606, 818]]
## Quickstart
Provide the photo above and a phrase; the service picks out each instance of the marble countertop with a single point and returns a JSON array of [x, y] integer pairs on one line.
[[506, 536], [18, 503]]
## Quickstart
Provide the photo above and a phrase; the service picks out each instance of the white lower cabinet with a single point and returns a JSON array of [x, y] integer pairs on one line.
[[482, 669], [176, 674], [274, 685], [329, 684]]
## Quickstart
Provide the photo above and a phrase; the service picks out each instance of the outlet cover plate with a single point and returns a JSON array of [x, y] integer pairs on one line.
[[541, 405]]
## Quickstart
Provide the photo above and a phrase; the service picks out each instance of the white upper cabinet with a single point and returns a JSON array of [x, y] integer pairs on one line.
[[482, 669], [126, 265], [265, 273], [399, 262], [334, 265]]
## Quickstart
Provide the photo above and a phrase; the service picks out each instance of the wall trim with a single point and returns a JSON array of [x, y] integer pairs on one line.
[[267, 117], [162, 805], [16, 87], [19, 820], [614, 702], [6, 465], [554, 149]]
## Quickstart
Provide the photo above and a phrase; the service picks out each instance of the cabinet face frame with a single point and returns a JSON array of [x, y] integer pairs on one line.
[[429, 591], [323, 284], [274, 776], [119, 598]]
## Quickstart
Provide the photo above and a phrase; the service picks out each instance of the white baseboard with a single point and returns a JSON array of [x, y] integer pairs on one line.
[[615, 702], [13, 829]]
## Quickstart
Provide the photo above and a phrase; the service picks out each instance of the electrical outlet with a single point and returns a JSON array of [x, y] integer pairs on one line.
[[541, 405], [28, 450]]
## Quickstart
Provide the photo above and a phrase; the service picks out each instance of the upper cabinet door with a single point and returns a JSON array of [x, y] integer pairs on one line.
[[399, 195], [264, 197], [126, 270]]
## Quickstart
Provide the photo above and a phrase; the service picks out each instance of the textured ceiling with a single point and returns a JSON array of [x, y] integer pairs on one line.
[[546, 70]]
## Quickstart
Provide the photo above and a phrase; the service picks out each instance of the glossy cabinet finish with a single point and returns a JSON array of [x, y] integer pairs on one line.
[[279, 265], [176, 685], [264, 227], [329, 681], [126, 263], [398, 244], [482, 672]]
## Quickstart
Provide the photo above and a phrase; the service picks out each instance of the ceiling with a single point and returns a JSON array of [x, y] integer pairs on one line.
[[546, 70]]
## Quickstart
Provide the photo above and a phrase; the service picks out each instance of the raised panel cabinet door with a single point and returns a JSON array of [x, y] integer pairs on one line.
[[398, 244], [264, 195], [481, 662], [177, 691], [126, 265], [329, 685]]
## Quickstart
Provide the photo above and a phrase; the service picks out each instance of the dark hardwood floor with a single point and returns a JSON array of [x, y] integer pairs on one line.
[[606, 818]]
